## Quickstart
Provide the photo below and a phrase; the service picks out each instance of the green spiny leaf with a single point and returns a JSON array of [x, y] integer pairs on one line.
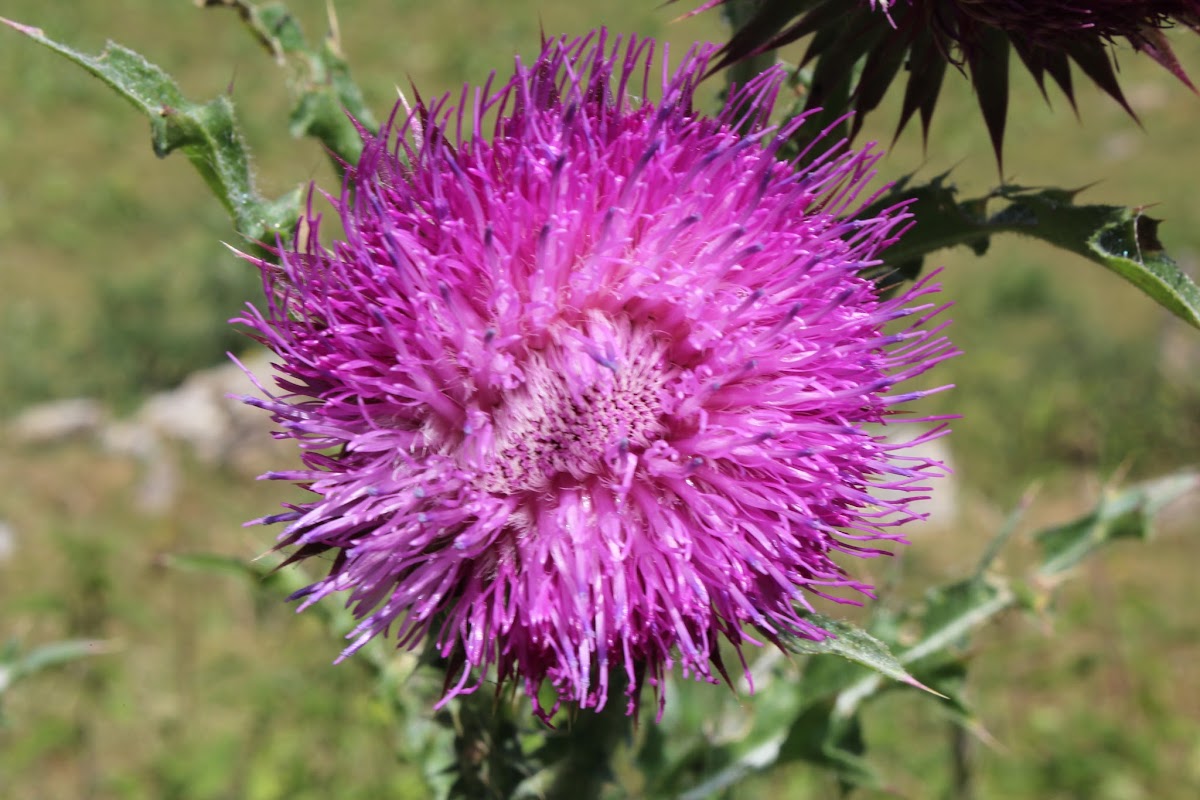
[[928, 641], [853, 644], [143, 84], [1123, 515], [327, 98], [64, 652], [15, 666], [216, 564], [1121, 239], [825, 738], [273, 23], [944, 621], [206, 133], [952, 613]]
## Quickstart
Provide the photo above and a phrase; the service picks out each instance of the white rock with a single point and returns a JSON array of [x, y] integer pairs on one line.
[[159, 486], [200, 413], [8, 542], [57, 421], [128, 438]]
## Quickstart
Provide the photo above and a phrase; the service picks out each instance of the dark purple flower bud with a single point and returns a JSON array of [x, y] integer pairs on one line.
[[922, 37]]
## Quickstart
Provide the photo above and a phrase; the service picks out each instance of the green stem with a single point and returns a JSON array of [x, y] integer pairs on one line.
[[588, 746], [961, 775], [487, 748]]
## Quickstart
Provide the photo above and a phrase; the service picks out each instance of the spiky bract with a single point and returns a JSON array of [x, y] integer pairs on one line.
[[858, 47]]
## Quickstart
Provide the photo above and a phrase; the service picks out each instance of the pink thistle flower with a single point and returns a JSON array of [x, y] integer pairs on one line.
[[584, 389]]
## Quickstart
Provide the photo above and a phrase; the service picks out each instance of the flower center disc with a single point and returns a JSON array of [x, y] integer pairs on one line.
[[588, 399]]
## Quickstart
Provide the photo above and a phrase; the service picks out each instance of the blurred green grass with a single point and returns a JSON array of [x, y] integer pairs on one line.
[[116, 284]]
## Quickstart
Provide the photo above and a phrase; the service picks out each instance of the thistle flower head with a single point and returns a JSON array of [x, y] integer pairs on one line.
[[583, 391], [923, 37]]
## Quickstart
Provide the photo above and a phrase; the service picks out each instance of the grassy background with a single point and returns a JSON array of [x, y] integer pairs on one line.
[[116, 284]]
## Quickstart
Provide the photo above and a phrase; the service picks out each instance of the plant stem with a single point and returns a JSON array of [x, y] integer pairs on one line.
[[588, 747], [962, 785]]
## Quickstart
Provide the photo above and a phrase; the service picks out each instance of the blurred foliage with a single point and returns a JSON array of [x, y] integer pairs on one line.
[[1123, 240]]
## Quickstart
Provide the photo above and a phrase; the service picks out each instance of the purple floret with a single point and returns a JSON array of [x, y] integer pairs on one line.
[[586, 386]]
